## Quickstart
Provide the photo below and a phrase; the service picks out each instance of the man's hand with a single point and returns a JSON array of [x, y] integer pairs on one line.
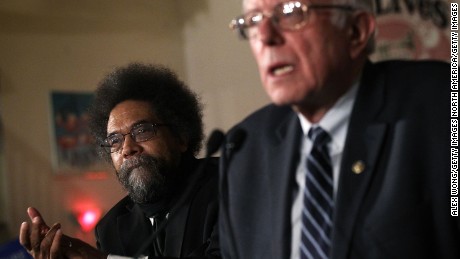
[[43, 242], [31, 235]]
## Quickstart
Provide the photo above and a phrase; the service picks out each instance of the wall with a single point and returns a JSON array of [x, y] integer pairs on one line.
[[70, 45], [220, 65]]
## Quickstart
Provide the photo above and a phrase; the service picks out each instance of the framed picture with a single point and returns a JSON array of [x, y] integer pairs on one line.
[[74, 150]]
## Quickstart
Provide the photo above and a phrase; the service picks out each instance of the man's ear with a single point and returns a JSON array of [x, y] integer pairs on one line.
[[362, 27]]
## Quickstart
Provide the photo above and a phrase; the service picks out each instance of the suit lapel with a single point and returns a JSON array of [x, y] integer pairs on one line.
[[175, 231], [137, 228], [134, 229], [285, 152], [363, 146], [176, 226]]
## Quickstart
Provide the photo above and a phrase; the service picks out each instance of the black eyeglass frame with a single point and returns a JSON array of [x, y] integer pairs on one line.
[[108, 147], [236, 23]]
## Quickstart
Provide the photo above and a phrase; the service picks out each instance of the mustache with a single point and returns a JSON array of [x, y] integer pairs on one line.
[[139, 161], [149, 183]]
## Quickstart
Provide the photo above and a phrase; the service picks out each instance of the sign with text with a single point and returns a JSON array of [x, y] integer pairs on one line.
[[412, 29]]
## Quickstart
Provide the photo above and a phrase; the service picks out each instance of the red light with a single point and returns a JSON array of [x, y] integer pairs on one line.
[[88, 219]]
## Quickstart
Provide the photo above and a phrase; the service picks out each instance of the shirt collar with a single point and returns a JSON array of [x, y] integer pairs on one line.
[[336, 120]]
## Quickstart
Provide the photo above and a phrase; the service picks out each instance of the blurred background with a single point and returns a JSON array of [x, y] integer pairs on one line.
[[67, 46]]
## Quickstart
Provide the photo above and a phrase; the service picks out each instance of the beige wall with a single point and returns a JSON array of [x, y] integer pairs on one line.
[[50, 45], [220, 65]]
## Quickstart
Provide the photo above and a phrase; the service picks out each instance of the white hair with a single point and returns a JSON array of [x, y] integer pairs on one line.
[[339, 19], [367, 5]]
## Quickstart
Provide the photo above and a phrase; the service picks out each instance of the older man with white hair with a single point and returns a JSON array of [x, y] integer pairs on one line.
[[352, 158]]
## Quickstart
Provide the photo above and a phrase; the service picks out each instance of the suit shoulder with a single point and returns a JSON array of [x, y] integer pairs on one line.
[[121, 207], [419, 69], [269, 116], [420, 64], [416, 79], [211, 175]]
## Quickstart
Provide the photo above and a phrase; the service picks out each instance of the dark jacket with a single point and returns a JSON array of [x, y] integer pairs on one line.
[[398, 207], [191, 230]]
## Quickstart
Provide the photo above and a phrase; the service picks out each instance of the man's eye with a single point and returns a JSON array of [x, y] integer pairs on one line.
[[143, 130], [114, 141], [253, 19], [139, 130]]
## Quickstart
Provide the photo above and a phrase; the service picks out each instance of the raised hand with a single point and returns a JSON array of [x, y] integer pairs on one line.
[[43, 242], [32, 234]]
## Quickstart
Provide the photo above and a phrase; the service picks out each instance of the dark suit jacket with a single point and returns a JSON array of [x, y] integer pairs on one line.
[[190, 232], [398, 207]]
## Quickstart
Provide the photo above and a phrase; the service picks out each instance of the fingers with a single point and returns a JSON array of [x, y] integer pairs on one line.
[[37, 237], [46, 244], [24, 235], [37, 233], [34, 213], [65, 247], [55, 252], [31, 234]]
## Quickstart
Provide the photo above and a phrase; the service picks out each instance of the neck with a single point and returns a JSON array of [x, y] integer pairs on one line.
[[315, 107]]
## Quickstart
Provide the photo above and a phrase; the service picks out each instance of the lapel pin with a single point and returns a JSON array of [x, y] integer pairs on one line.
[[358, 167]]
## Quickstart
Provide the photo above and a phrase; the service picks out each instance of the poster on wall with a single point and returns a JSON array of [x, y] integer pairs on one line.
[[412, 29], [74, 150]]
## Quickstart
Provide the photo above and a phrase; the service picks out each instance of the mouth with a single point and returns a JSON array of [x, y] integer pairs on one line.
[[280, 70], [134, 163], [129, 167]]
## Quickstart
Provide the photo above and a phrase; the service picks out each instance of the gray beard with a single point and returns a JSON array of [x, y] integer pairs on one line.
[[145, 178]]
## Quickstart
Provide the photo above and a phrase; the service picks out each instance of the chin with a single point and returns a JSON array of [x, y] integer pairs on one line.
[[283, 94], [281, 99]]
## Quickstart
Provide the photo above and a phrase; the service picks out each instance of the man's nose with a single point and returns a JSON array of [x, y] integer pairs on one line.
[[268, 33], [130, 147]]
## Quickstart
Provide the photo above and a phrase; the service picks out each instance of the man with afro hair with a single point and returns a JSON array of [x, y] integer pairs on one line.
[[149, 127]]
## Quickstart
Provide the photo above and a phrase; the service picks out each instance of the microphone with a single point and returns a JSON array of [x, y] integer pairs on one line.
[[234, 141], [213, 144]]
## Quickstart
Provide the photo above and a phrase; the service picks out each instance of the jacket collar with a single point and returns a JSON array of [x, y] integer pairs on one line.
[[362, 145], [136, 229], [285, 152]]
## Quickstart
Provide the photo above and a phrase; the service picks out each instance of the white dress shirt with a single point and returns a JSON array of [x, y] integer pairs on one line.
[[335, 122]]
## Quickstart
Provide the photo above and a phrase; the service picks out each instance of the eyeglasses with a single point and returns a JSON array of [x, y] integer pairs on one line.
[[288, 16], [139, 133]]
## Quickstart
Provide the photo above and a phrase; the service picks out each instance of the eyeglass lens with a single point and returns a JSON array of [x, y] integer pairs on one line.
[[286, 16], [291, 15], [139, 133]]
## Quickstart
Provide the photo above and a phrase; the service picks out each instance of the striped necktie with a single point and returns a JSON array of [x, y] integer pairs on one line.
[[318, 202]]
